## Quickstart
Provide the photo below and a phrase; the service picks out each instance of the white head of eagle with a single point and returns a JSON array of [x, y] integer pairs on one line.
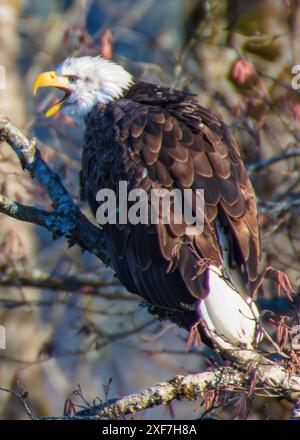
[[86, 81]]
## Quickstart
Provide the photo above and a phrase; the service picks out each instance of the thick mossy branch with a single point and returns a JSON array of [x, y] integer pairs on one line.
[[251, 371], [270, 381], [189, 387]]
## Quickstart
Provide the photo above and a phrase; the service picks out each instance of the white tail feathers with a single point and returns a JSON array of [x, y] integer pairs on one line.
[[230, 319]]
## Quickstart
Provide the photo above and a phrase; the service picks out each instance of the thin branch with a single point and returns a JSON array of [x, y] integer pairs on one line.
[[21, 397], [278, 208], [14, 304], [88, 284], [100, 340], [253, 168]]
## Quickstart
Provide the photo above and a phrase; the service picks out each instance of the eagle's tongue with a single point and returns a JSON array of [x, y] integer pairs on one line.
[[52, 110]]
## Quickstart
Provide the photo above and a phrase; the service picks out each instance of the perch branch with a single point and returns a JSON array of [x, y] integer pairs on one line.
[[189, 387], [271, 375], [250, 368], [271, 381]]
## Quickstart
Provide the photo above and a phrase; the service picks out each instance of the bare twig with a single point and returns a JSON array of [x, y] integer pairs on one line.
[[253, 168], [21, 395], [88, 284]]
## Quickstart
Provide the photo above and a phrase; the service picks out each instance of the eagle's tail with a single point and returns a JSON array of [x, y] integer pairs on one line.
[[229, 319], [230, 314]]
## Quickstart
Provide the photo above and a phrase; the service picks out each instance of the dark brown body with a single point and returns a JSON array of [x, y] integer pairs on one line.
[[161, 137]]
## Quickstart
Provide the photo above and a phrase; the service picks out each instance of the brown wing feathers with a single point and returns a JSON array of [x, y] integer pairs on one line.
[[177, 157], [180, 145]]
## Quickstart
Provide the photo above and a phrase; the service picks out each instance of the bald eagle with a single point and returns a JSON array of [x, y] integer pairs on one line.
[[158, 137]]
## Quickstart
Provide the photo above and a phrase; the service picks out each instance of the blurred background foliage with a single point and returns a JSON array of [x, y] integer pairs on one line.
[[82, 327]]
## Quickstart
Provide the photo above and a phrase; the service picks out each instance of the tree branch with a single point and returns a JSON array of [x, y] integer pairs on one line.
[[251, 371], [188, 387], [262, 377], [271, 375], [87, 284], [253, 168], [66, 220]]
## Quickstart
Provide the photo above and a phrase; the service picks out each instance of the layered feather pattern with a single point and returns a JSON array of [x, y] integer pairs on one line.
[[156, 137]]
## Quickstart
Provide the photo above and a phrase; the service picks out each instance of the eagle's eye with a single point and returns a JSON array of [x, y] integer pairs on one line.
[[72, 79]]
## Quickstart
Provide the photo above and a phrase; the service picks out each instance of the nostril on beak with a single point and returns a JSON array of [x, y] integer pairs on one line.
[[52, 75]]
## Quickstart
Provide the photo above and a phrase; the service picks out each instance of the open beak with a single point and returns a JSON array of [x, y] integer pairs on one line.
[[51, 79]]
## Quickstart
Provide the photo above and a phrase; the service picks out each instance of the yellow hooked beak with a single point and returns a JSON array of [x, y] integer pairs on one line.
[[51, 79]]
